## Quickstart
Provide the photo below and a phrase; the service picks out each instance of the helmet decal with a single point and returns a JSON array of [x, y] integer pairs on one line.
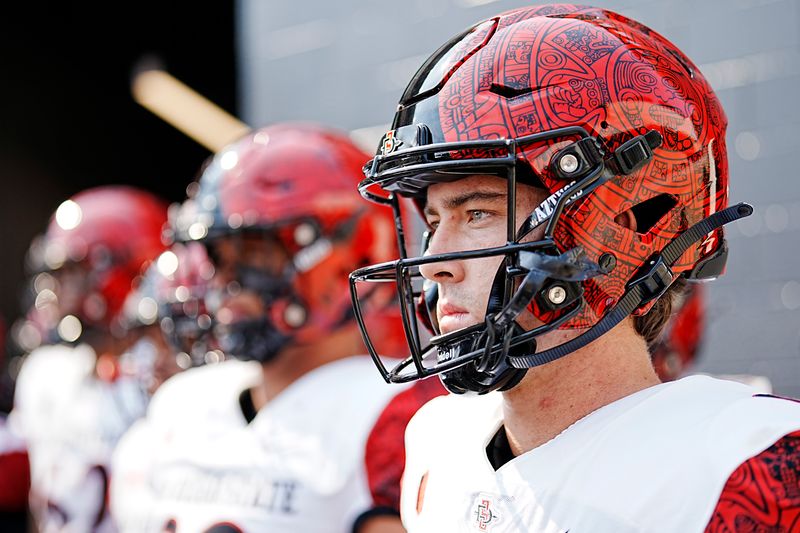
[[389, 143]]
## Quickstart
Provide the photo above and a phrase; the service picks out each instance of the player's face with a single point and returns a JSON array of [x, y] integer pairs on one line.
[[470, 214], [258, 253]]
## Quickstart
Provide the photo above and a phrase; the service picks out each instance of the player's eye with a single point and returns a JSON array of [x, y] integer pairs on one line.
[[478, 215]]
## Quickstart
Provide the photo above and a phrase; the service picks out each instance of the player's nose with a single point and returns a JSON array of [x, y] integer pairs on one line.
[[445, 269]]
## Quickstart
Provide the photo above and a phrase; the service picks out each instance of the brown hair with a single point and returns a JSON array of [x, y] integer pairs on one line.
[[650, 325]]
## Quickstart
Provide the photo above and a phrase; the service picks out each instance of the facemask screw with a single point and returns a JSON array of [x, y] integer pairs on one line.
[[607, 262], [294, 315], [304, 234], [556, 294], [568, 163]]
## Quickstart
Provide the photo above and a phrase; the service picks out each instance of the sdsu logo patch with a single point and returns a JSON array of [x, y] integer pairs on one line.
[[390, 143], [503, 513], [484, 513]]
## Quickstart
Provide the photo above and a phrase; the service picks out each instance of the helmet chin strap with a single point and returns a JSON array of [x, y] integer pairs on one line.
[[650, 283], [491, 371]]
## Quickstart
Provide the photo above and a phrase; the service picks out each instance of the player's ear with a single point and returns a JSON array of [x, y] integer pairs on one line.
[[626, 219]]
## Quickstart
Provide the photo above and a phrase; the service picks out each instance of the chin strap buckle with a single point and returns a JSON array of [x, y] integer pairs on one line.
[[653, 280]]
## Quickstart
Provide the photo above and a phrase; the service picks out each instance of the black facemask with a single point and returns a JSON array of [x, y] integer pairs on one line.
[[252, 340], [257, 339]]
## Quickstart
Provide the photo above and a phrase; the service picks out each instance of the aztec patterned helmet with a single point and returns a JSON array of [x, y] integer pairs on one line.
[[604, 116]]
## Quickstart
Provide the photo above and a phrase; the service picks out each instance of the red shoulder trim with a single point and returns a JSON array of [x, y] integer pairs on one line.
[[385, 451], [763, 494]]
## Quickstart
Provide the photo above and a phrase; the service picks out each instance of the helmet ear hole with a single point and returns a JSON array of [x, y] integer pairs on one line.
[[649, 213]]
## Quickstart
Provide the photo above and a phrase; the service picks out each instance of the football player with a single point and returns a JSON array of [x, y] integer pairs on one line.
[[71, 402], [295, 434], [168, 312], [571, 166]]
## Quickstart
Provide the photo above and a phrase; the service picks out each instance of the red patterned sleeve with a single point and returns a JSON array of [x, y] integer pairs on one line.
[[385, 451], [763, 494]]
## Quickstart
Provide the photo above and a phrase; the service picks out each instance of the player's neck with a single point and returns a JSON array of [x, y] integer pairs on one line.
[[553, 397], [296, 361]]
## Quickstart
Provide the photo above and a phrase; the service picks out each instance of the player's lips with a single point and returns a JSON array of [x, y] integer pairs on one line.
[[452, 317]]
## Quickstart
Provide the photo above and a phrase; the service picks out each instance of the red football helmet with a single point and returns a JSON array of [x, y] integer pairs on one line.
[[96, 244], [606, 116], [294, 185]]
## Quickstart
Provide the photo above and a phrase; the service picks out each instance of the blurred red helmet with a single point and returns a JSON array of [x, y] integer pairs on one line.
[[295, 183], [96, 244]]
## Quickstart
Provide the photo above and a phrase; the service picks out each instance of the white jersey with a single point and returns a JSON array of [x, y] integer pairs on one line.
[[71, 422], [196, 465], [654, 461]]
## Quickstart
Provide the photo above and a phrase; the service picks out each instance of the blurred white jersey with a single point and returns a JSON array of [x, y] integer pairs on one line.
[[656, 460], [71, 422], [196, 465]]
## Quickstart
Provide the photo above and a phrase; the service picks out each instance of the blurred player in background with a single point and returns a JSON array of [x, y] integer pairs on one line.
[[279, 440], [168, 308], [72, 402], [167, 312], [571, 167]]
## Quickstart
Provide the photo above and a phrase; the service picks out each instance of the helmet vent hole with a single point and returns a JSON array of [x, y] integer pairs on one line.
[[652, 211], [604, 125], [509, 92]]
